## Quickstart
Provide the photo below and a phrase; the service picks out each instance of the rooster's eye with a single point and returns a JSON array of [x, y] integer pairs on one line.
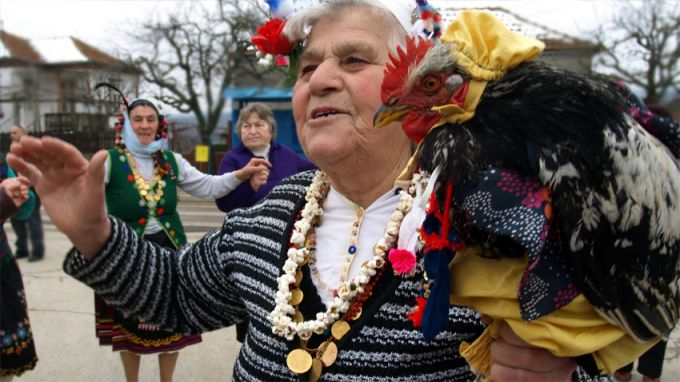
[[430, 83]]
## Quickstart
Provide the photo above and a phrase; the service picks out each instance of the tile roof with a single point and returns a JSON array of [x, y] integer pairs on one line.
[[16, 47], [59, 50], [553, 39]]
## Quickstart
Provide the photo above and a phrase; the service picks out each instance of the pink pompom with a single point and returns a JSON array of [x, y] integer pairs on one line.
[[403, 261]]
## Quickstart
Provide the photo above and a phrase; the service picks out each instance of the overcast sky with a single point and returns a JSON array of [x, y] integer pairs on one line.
[[100, 21]]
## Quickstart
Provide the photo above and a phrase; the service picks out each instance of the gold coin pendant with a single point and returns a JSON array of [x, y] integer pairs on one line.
[[317, 369], [330, 354], [299, 361], [296, 296], [339, 329]]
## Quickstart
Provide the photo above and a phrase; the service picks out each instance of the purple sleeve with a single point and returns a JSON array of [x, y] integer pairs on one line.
[[285, 162], [243, 195], [304, 164]]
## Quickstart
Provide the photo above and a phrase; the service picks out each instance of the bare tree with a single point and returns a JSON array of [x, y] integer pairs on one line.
[[641, 45], [195, 53]]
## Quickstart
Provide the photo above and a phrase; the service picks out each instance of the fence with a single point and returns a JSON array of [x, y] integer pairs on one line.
[[87, 142], [79, 122]]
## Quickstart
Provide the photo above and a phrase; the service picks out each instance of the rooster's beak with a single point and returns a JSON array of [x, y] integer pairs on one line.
[[388, 114]]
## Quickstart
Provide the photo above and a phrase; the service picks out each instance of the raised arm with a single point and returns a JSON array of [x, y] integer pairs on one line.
[[243, 195], [132, 274], [206, 186], [189, 290], [71, 188]]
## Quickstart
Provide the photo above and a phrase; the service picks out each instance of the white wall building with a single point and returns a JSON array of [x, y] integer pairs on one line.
[[48, 84], [561, 49]]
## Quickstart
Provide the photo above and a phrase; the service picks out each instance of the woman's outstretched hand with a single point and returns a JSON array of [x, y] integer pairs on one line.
[[70, 188]]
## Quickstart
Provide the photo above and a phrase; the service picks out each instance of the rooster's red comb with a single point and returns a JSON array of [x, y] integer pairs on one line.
[[398, 68]]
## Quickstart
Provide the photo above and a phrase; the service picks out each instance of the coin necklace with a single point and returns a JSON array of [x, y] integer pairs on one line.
[[286, 319], [151, 192]]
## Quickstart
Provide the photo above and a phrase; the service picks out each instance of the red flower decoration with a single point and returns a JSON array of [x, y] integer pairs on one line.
[[160, 211], [131, 178], [142, 220], [281, 61], [403, 261], [270, 38], [416, 315]]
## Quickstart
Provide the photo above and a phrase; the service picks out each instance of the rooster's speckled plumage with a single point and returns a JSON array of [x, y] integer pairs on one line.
[[615, 190]]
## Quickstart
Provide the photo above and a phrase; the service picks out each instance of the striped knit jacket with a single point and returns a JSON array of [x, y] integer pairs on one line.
[[232, 272]]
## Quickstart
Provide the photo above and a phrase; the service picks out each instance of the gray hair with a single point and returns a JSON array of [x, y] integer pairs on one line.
[[263, 112], [300, 24]]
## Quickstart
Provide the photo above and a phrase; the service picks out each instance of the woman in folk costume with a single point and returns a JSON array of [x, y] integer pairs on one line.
[[17, 349], [141, 189], [308, 265]]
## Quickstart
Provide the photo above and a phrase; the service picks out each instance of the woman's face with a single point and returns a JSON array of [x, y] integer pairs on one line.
[[338, 92], [256, 134], [145, 123]]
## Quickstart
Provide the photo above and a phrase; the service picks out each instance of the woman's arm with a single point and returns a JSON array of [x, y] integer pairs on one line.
[[243, 195], [201, 185], [515, 360], [189, 290], [71, 188]]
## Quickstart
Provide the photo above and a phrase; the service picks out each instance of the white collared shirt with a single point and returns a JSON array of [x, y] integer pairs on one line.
[[333, 233]]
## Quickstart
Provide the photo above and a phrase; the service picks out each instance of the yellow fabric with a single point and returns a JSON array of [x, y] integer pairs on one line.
[[486, 48], [489, 286]]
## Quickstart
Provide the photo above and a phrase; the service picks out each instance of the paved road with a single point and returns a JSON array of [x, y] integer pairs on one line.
[[61, 311]]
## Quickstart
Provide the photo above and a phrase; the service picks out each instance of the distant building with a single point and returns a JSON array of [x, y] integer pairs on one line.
[[47, 84], [561, 49]]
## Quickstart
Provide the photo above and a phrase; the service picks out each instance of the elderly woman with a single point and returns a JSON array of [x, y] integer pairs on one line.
[[141, 189], [256, 127], [307, 265]]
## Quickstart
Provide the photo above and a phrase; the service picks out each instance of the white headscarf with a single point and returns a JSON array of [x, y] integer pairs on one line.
[[132, 143], [404, 10]]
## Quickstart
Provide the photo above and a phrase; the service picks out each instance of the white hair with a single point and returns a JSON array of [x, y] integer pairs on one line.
[[300, 24]]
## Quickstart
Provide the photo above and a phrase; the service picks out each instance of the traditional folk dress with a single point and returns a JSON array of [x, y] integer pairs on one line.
[[234, 271], [136, 202], [17, 349]]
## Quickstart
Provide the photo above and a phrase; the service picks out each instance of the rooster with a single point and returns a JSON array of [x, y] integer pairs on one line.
[[608, 224]]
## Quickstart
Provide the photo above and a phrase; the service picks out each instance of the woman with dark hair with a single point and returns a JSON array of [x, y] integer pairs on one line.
[[141, 189]]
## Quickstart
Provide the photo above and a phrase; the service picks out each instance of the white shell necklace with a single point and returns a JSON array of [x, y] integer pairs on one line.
[[284, 318]]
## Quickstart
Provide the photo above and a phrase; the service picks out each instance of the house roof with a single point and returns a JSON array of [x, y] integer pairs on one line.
[[15, 47], [52, 51], [553, 39]]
